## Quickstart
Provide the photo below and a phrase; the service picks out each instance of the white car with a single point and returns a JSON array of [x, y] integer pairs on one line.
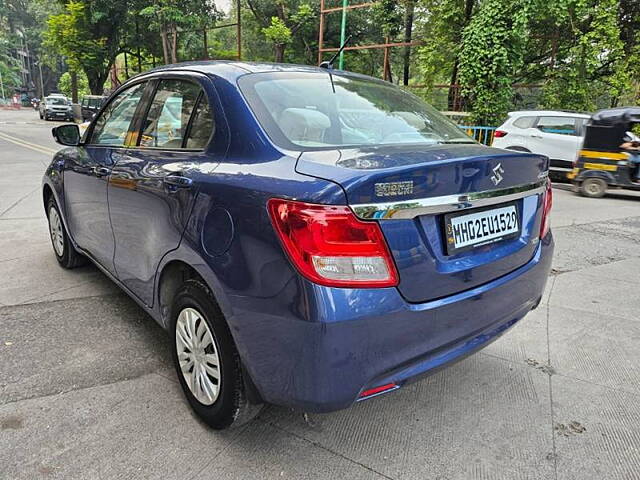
[[556, 134]]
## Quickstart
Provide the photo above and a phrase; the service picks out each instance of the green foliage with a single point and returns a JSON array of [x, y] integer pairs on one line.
[[594, 64], [64, 84], [491, 55], [277, 32], [389, 15]]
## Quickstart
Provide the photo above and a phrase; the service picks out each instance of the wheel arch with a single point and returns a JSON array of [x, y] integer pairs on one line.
[[601, 174], [171, 276]]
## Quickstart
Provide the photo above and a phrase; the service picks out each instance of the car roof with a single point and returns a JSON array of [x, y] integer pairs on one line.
[[232, 69], [548, 113]]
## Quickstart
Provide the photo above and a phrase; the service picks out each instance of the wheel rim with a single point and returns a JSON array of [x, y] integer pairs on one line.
[[593, 188], [198, 356], [55, 229]]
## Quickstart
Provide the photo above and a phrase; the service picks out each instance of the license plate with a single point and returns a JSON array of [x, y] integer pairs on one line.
[[465, 231]]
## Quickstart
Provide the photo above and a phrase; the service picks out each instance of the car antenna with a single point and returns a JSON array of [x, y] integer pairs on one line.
[[329, 65]]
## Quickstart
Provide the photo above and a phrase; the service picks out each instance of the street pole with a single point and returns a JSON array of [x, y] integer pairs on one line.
[[1, 85], [343, 32]]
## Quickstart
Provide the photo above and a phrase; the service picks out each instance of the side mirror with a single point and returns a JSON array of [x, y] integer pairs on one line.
[[68, 135]]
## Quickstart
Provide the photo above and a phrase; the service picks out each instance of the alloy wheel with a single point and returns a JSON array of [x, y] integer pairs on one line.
[[198, 356], [55, 229]]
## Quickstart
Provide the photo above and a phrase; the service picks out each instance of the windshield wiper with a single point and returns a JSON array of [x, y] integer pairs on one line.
[[460, 141]]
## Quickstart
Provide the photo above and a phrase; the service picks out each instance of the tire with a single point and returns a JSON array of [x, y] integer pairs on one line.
[[65, 252], [216, 395], [593, 188]]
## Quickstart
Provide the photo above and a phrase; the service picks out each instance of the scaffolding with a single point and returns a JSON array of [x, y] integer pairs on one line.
[[344, 9]]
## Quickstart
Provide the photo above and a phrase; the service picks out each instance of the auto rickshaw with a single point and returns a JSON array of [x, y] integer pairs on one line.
[[601, 162]]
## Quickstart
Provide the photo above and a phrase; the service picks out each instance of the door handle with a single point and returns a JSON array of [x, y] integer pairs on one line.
[[101, 171], [177, 181], [536, 136]]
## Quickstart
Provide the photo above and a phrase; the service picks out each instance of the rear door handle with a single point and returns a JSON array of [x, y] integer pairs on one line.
[[101, 171], [178, 181]]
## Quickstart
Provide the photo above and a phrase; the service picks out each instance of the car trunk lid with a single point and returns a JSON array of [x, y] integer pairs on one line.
[[411, 189]]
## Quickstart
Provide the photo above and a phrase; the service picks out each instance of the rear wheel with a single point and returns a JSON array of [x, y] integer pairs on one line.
[[66, 254], [593, 188], [207, 361]]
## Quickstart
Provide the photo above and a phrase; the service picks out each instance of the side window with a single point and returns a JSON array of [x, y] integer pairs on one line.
[[202, 125], [524, 122], [558, 125], [168, 117], [112, 127]]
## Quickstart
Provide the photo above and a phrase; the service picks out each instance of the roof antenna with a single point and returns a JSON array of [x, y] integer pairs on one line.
[[329, 65]]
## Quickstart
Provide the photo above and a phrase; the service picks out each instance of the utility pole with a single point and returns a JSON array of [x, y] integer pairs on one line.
[[343, 32]]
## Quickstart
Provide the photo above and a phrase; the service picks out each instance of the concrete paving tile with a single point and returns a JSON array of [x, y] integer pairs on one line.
[[263, 452], [137, 429], [60, 346], [526, 342], [483, 416], [609, 446], [581, 291], [627, 270], [594, 347], [29, 205]]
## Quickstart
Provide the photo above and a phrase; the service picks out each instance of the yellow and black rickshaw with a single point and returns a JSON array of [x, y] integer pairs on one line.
[[602, 162]]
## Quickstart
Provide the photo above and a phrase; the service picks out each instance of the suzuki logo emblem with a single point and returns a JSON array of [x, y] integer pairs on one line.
[[496, 178]]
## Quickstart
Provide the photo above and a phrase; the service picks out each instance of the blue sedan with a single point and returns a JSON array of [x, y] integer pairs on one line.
[[308, 237]]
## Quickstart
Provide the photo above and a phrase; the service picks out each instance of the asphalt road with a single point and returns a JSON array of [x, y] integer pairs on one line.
[[87, 390]]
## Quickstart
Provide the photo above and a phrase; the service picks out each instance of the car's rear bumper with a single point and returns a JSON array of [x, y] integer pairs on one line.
[[357, 339]]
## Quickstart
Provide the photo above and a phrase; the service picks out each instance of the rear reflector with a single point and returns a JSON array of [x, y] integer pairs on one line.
[[330, 246], [381, 389], [499, 134]]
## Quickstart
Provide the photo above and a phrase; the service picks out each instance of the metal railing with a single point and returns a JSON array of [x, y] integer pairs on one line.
[[481, 134]]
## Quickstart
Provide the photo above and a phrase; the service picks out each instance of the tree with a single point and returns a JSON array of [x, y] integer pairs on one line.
[[280, 21], [88, 35], [65, 84], [491, 54]]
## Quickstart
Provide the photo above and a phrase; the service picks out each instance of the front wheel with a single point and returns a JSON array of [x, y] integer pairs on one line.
[[207, 361], [66, 254], [593, 188]]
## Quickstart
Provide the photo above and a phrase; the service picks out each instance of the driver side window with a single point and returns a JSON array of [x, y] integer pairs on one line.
[[113, 126]]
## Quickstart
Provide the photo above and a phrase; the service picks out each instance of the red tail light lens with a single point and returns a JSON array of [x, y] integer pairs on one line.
[[329, 245], [546, 211], [499, 134]]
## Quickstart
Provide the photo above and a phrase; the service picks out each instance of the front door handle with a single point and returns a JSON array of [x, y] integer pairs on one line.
[[101, 171], [177, 181]]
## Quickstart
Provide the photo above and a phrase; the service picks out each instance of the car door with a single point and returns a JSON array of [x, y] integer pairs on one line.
[[555, 137], [151, 192], [86, 176]]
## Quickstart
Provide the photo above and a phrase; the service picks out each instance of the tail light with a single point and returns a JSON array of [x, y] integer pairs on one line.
[[329, 245], [499, 134], [372, 392], [546, 211]]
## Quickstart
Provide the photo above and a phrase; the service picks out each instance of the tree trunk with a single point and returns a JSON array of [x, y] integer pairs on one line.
[[174, 43], [165, 45], [96, 81], [408, 27], [74, 86], [279, 49], [452, 97]]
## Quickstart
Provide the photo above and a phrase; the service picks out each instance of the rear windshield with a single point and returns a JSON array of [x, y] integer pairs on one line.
[[304, 110]]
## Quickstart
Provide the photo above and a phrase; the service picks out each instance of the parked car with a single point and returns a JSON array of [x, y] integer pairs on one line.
[[556, 134], [308, 237], [90, 105], [55, 107]]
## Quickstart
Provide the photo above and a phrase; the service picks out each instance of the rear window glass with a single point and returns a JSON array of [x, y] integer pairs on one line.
[[558, 125], [55, 101], [524, 122], [307, 110]]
